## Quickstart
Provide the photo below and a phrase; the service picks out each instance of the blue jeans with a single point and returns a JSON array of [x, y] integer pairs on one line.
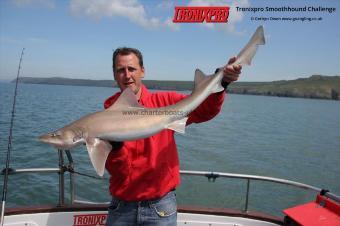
[[160, 212]]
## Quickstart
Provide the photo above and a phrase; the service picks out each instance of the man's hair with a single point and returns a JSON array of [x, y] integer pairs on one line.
[[126, 51]]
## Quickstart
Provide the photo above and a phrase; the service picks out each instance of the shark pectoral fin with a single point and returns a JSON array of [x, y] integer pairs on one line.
[[179, 125], [98, 151]]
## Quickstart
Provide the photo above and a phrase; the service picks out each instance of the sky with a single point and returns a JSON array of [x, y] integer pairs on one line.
[[76, 38]]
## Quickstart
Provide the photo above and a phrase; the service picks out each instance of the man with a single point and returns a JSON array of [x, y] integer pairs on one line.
[[145, 173]]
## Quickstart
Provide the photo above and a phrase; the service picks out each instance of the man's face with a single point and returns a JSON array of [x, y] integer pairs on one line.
[[128, 72]]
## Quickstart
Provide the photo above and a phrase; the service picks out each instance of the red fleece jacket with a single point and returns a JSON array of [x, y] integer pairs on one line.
[[148, 168]]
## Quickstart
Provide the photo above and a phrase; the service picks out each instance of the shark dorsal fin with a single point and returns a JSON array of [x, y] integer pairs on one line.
[[127, 99], [201, 78]]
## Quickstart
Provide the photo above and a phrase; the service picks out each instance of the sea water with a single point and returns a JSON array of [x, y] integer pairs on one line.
[[290, 138]]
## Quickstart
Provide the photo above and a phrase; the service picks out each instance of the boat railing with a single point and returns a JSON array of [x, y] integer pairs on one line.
[[212, 176]]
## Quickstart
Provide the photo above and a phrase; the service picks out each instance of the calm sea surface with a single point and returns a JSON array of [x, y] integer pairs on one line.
[[295, 139]]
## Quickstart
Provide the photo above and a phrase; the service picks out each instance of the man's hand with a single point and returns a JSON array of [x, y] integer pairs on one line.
[[231, 73], [116, 145]]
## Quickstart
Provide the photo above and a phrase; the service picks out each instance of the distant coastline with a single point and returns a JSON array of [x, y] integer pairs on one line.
[[316, 86]]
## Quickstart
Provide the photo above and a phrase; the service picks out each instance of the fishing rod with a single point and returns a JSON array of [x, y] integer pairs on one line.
[[9, 148]]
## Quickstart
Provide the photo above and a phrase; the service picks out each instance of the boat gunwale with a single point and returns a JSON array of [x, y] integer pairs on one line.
[[186, 209]]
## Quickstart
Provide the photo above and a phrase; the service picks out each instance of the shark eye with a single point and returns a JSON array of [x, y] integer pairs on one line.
[[54, 135]]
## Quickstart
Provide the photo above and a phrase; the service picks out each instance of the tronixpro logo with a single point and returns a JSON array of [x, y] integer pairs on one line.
[[89, 220], [199, 14]]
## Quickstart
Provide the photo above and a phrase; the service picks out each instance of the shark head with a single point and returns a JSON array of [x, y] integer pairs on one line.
[[61, 139]]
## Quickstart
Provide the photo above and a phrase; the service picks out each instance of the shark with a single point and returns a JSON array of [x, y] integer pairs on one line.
[[127, 120]]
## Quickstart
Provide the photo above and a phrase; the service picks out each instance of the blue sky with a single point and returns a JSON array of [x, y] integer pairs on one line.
[[75, 39]]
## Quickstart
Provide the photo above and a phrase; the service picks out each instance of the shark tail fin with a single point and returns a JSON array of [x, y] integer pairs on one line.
[[98, 151], [201, 78], [248, 52]]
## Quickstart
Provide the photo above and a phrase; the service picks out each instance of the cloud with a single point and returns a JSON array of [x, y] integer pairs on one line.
[[130, 9], [234, 16], [165, 5], [135, 11], [42, 3], [172, 25]]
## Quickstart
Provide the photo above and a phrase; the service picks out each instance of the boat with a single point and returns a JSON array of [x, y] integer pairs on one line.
[[323, 211]]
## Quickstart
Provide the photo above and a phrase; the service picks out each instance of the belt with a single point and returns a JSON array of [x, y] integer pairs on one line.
[[143, 202]]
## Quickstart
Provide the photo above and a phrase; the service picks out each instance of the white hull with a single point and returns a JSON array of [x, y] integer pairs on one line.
[[98, 218]]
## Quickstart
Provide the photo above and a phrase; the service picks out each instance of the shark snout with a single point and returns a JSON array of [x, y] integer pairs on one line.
[[58, 139], [51, 138], [46, 138]]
